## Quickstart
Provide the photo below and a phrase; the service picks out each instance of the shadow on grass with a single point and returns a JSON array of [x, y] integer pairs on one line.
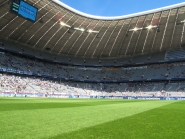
[[159, 123]]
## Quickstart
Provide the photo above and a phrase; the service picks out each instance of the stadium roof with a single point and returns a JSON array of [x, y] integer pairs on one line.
[[64, 30]]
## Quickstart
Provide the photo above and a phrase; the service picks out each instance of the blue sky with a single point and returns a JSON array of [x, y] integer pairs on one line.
[[117, 7]]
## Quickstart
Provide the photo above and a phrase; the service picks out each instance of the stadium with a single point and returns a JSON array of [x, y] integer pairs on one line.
[[68, 74]]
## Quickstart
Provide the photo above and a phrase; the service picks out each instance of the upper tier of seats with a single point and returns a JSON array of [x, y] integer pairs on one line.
[[30, 65]]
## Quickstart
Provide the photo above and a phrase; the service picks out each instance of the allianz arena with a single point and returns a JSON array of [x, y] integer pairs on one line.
[[67, 53]]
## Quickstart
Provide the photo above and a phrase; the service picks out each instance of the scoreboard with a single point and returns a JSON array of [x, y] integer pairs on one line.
[[24, 9]]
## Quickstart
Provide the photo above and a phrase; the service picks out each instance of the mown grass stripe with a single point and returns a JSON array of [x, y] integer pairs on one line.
[[166, 122], [45, 123], [32, 104]]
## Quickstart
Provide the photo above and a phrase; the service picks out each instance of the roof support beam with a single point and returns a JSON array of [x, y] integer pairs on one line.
[[165, 29], [64, 34], [113, 41], [57, 32], [16, 29], [147, 33], [78, 38], [71, 36], [7, 1], [182, 36], [156, 32], [101, 39], [41, 27], [94, 39], [24, 20], [125, 36], [86, 39], [139, 35], [9, 23], [4, 15], [116, 38], [109, 38], [177, 15], [49, 30], [32, 25], [131, 36]]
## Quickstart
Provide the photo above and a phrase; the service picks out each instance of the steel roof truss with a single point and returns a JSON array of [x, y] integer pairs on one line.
[[156, 32], [177, 15], [24, 21], [42, 27], [32, 25], [78, 38], [64, 34], [72, 35], [9, 23], [165, 29], [57, 32], [49, 30], [101, 39], [86, 39], [94, 38], [148, 33], [4, 2], [139, 35], [131, 36], [109, 38], [125, 36], [116, 38], [3, 16], [182, 36]]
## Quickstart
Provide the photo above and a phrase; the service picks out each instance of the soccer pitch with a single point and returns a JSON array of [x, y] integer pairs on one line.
[[33, 118]]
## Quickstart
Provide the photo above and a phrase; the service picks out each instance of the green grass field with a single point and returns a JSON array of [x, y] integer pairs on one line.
[[30, 118]]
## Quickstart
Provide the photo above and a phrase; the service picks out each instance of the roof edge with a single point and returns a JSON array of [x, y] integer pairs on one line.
[[118, 17]]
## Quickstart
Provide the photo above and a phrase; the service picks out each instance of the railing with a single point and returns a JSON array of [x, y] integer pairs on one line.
[[38, 95]]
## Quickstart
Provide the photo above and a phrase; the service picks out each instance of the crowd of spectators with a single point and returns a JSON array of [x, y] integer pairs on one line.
[[15, 62], [22, 84], [13, 82], [42, 85]]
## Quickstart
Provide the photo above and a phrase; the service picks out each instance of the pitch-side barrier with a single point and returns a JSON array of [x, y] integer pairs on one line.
[[37, 95]]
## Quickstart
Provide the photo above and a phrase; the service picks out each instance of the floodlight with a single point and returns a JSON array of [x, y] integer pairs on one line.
[[149, 27], [62, 23], [82, 29], [135, 29], [90, 31]]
